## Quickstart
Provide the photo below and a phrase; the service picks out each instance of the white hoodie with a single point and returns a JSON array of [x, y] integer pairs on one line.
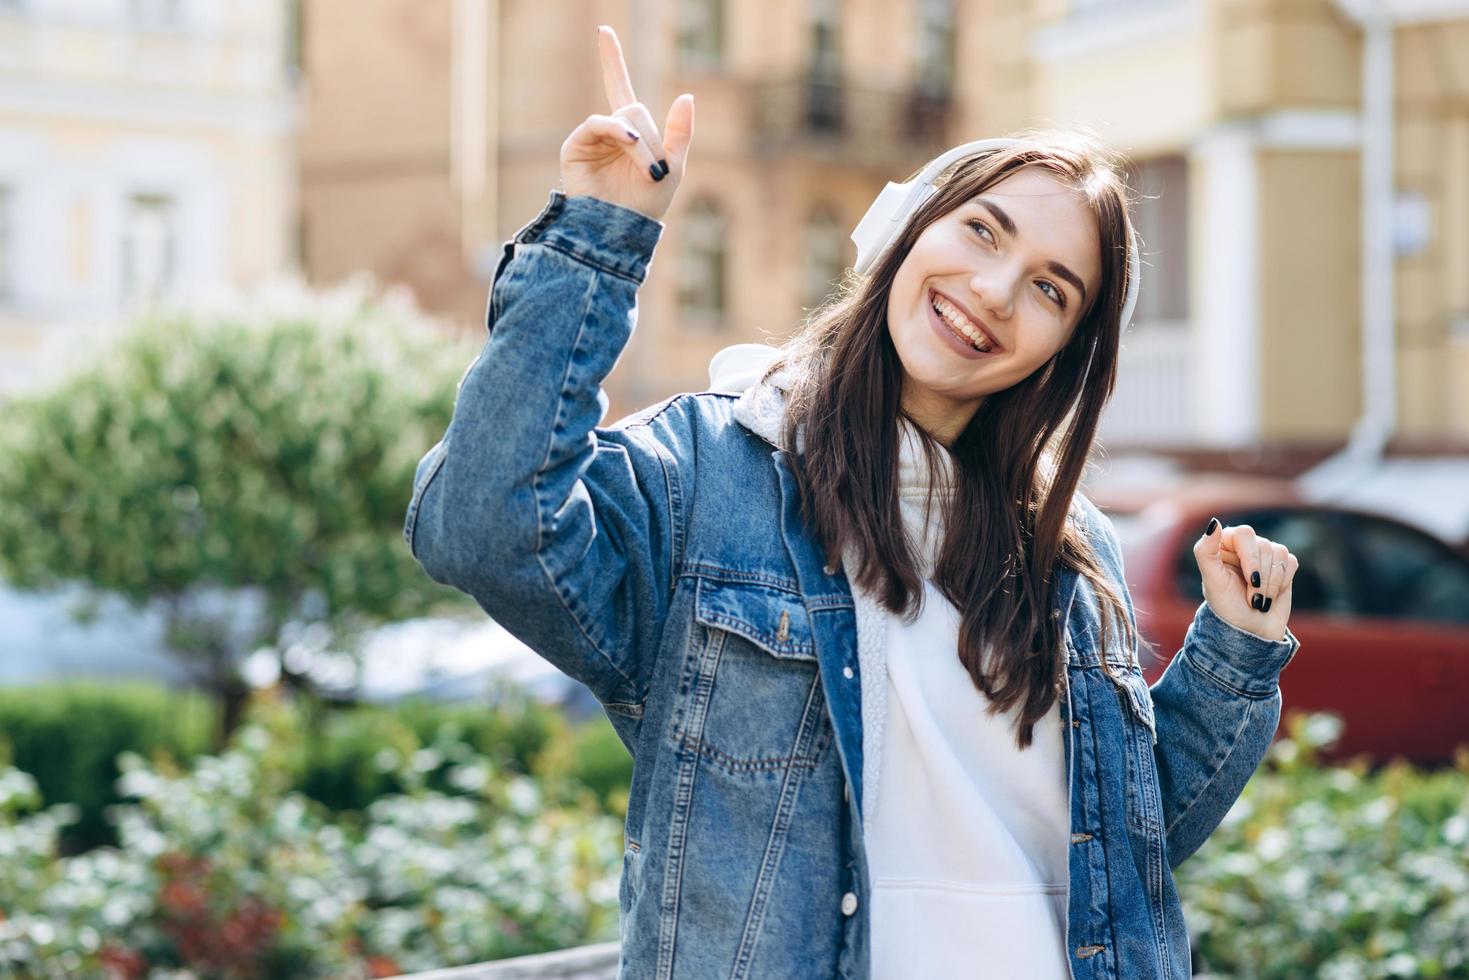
[[967, 837]]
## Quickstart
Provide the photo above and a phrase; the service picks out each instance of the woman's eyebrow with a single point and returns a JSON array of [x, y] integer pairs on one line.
[[1055, 268]]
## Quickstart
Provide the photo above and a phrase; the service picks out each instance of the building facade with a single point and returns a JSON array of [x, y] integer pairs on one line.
[[1244, 120], [146, 154]]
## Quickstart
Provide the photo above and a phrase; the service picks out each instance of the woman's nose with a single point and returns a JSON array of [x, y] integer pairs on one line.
[[995, 293]]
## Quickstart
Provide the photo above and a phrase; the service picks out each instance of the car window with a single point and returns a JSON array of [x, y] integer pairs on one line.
[[1324, 582], [1410, 574]]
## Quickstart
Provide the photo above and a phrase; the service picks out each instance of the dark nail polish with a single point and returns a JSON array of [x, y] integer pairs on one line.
[[1256, 601], [1255, 578], [1213, 523], [653, 169], [1268, 601], [664, 165]]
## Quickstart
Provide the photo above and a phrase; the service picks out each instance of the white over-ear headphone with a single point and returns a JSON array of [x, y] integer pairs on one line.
[[885, 219]]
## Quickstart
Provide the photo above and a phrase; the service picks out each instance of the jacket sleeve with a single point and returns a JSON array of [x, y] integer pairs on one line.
[[563, 532], [1216, 709]]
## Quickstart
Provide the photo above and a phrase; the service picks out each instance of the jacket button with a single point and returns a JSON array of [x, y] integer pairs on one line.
[[849, 903], [1080, 838], [847, 672]]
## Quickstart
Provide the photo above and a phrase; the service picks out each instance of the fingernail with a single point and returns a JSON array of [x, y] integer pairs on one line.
[[634, 135], [1266, 607], [653, 169], [1257, 601], [1255, 578], [1213, 523], [664, 165]]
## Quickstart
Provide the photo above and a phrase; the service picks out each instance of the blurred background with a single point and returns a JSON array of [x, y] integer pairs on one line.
[[245, 251]]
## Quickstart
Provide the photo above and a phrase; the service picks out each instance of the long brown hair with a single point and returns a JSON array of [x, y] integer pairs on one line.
[[1016, 469]]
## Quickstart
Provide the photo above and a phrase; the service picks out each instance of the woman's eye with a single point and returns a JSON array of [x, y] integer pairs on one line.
[[978, 225]]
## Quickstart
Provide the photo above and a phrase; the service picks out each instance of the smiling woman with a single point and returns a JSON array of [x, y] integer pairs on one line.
[[862, 553]]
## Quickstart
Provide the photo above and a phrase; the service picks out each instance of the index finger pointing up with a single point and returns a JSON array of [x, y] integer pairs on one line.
[[614, 70]]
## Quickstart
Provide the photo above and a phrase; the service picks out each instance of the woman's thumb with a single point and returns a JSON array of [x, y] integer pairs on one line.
[[1207, 547], [678, 130]]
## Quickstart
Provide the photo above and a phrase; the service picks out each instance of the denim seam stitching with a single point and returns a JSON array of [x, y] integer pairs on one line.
[[588, 260], [1202, 668], [536, 489], [673, 496]]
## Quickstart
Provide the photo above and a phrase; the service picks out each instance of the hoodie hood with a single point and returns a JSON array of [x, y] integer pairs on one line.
[[761, 405]]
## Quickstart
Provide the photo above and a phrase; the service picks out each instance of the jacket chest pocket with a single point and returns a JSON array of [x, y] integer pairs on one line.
[[1139, 701], [754, 705]]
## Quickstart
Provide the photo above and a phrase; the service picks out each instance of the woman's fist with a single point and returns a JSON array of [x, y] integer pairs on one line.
[[621, 158], [1247, 579]]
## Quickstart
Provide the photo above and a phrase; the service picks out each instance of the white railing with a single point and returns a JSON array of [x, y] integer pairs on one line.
[[597, 962], [1152, 404]]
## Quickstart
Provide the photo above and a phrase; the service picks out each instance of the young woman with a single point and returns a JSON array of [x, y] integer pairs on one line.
[[871, 650]]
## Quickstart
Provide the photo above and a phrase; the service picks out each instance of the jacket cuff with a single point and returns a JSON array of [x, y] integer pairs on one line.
[[608, 236], [1240, 660]]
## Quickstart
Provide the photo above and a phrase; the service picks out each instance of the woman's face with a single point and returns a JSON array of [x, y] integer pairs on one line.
[[1020, 262]]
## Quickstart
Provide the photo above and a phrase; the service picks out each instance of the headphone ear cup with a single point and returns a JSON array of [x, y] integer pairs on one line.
[[885, 220]]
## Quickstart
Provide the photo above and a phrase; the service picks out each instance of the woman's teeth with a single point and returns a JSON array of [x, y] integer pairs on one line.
[[960, 323]]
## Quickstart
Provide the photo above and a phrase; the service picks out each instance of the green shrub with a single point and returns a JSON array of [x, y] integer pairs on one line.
[[1335, 873], [227, 871], [68, 736]]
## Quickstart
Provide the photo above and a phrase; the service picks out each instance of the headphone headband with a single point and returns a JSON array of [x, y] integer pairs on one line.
[[888, 214]]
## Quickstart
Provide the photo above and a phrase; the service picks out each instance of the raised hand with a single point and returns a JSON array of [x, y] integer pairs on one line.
[[621, 158], [1247, 578]]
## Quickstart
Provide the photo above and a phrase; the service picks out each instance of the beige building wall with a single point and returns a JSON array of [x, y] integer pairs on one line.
[[146, 154], [434, 130], [1262, 99], [377, 192]]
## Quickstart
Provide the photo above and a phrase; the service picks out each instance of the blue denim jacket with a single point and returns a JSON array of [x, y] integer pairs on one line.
[[661, 561]]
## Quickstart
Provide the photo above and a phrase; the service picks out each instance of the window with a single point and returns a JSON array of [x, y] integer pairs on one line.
[[1161, 219], [149, 246], [702, 266], [823, 256], [1409, 574], [825, 48], [934, 71], [824, 72], [701, 33], [1326, 582]]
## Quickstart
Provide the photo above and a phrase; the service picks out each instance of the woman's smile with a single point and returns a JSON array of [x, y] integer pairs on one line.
[[959, 342]]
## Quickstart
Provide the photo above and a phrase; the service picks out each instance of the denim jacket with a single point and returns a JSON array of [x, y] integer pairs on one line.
[[662, 562]]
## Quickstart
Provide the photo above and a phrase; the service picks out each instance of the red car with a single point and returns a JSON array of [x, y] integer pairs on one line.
[[1381, 609]]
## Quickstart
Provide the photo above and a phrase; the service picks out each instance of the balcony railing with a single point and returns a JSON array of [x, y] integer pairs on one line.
[[825, 118], [597, 962]]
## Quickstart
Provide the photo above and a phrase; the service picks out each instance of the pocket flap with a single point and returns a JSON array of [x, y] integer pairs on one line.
[[1137, 695], [773, 619]]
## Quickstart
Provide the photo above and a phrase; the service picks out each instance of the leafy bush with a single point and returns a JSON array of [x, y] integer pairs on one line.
[[264, 449], [227, 872], [68, 736], [1336, 873]]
